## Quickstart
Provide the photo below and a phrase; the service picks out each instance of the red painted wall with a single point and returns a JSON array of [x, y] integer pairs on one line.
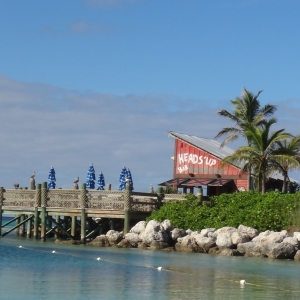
[[189, 159]]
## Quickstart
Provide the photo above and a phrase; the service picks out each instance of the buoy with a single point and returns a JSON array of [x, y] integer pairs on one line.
[[98, 258], [53, 251], [159, 268], [242, 282], [20, 246]]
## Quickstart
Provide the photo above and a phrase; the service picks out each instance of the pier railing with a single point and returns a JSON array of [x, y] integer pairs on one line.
[[89, 199]]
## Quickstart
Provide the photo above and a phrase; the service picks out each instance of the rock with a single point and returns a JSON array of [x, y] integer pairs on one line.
[[205, 243], [282, 250], [133, 239], [100, 241], [239, 237], [124, 244], [297, 235], [114, 237], [229, 252], [214, 250], [177, 233], [138, 227], [167, 226], [155, 245], [248, 231], [154, 232], [224, 241], [270, 237], [207, 231], [189, 231], [291, 240], [250, 249], [297, 256], [186, 244]]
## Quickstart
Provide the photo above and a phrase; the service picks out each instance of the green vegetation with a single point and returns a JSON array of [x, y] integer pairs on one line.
[[266, 152], [269, 211]]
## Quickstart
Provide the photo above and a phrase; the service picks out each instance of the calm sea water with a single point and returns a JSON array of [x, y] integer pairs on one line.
[[73, 272]]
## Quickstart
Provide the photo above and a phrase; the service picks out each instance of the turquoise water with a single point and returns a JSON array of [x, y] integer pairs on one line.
[[73, 272]]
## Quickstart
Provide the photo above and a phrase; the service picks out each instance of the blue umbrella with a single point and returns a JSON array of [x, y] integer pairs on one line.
[[90, 178], [129, 178], [51, 179], [101, 182], [122, 179]]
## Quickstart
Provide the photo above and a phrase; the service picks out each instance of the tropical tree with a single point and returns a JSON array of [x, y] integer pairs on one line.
[[262, 154], [291, 159], [247, 111]]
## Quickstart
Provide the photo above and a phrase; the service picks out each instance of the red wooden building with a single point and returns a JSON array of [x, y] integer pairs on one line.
[[197, 164]]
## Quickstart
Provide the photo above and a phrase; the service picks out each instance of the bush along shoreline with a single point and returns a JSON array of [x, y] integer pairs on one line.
[[227, 241]]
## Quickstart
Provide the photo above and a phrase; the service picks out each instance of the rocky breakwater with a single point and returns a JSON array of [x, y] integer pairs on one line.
[[229, 241]]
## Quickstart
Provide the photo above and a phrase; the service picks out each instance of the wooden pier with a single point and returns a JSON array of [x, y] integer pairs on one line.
[[75, 214]]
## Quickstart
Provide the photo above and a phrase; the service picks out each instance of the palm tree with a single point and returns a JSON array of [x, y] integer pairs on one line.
[[291, 148], [246, 111], [262, 154]]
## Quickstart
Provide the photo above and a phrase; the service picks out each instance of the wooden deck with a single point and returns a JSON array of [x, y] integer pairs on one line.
[[76, 214]]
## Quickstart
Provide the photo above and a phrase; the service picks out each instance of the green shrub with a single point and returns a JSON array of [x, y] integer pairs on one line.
[[273, 211]]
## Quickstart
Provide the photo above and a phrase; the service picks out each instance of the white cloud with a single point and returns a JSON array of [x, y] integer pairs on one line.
[[43, 125]]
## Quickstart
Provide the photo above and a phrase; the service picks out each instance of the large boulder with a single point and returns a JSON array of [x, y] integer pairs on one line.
[[138, 227], [133, 239], [250, 249], [270, 237], [154, 232], [114, 237], [297, 256], [297, 235], [204, 243], [224, 239], [248, 231], [167, 226], [100, 241], [186, 244], [207, 231], [282, 250], [177, 233]]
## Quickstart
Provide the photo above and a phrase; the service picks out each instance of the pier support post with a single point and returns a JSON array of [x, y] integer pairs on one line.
[[17, 232], [29, 224], [83, 214], [22, 227], [57, 220], [199, 194], [43, 211], [1, 203], [73, 227], [36, 211], [127, 208]]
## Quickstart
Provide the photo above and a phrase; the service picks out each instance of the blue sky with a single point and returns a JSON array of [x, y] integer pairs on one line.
[[103, 81]]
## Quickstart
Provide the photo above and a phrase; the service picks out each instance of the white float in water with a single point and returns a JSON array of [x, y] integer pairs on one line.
[[53, 251], [159, 268], [98, 258], [20, 246], [242, 282]]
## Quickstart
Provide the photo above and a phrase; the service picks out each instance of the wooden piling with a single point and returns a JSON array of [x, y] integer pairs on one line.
[[1, 203], [43, 210], [28, 229], [17, 232], [199, 194], [83, 214], [57, 234], [73, 227], [36, 224], [127, 208]]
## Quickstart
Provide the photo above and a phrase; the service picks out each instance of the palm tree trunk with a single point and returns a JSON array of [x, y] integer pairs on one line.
[[284, 183]]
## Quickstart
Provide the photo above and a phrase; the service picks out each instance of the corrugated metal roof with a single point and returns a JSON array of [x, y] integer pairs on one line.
[[211, 146]]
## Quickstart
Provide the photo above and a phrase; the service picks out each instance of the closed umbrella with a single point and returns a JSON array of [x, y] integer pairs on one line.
[[90, 178], [101, 182], [51, 179], [122, 179], [129, 178]]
